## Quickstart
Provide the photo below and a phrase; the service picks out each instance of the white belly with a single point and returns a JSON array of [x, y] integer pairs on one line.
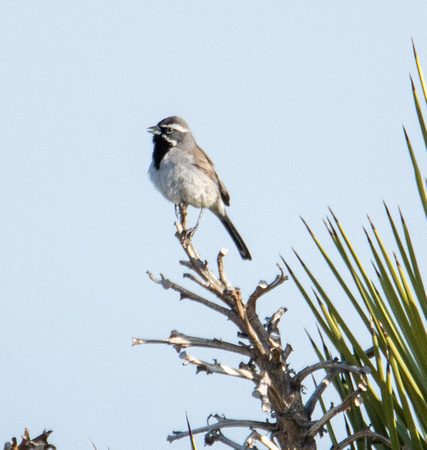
[[180, 181]]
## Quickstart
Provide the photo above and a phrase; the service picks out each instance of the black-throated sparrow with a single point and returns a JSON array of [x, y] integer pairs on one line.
[[184, 174]]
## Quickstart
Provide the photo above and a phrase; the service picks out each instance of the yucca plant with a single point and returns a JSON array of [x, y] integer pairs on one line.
[[392, 306]]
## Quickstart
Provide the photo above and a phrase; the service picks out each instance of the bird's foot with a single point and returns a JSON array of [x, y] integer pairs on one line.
[[189, 233]]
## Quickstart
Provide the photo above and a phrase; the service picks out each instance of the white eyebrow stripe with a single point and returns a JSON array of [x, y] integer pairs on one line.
[[176, 127]]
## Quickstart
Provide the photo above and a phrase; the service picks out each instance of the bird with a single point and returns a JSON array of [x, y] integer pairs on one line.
[[185, 175]]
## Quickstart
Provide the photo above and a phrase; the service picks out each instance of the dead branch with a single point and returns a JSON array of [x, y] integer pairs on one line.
[[221, 270], [288, 350], [222, 422], [341, 366], [216, 436], [320, 389], [185, 293], [362, 434], [214, 285], [272, 323], [180, 341], [263, 288], [257, 335], [250, 309], [255, 436], [345, 405], [216, 367], [39, 443], [276, 388]]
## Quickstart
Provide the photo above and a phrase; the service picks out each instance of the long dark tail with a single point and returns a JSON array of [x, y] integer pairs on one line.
[[241, 246]]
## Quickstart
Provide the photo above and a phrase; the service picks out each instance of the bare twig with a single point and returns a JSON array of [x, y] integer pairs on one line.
[[221, 270], [346, 404], [336, 365], [195, 263], [256, 331], [212, 283], [258, 337], [185, 293], [263, 288], [190, 276], [288, 350], [215, 367], [337, 368], [273, 321], [255, 436], [216, 436], [224, 423], [180, 341], [311, 403], [362, 434], [183, 209], [272, 327]]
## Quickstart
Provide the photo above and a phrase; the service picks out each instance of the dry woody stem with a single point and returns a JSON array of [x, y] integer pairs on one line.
[[264, 359]]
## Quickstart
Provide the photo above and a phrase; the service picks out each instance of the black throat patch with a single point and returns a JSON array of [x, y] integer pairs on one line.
[[161, 147]]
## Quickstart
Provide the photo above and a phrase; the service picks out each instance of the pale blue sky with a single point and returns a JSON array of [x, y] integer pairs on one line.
[[299, 104]]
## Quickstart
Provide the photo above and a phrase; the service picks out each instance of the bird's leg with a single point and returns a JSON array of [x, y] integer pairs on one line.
[[190, 232], [177, 208], [198, 220]]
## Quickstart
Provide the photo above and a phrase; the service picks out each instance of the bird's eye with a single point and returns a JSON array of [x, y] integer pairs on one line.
[[169, 130]]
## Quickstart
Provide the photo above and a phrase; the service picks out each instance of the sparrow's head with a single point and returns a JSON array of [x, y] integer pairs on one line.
[[171, 131]]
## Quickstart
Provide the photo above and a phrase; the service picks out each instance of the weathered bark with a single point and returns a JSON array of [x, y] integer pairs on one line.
[[277, 387], [38, 443]]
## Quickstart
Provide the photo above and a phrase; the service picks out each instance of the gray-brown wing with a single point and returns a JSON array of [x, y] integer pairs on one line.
[[224, 193], [203, 162]]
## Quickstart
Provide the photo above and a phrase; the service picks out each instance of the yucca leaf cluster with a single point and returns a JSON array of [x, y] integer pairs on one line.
[[390, 301]]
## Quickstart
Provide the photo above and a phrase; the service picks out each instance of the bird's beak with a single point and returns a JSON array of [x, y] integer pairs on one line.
[[154, 130]]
